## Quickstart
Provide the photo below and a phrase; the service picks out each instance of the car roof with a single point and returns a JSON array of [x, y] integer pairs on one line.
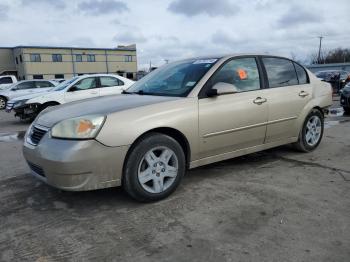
[[227, 56]]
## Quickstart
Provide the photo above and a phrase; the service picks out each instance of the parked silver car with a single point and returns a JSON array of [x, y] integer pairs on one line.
[[183, 115], [23, 88]]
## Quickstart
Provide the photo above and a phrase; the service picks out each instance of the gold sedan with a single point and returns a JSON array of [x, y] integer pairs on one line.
[[183, 115]]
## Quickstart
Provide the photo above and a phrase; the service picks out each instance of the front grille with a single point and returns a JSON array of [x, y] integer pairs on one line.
[[36, 169], [36, 134]]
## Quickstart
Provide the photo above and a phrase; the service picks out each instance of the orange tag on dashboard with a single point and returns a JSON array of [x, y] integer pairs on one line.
[[242, 74]]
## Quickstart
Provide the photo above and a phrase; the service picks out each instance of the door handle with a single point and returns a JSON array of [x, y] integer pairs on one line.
[[93, 92], [259, 100], [303, 94]]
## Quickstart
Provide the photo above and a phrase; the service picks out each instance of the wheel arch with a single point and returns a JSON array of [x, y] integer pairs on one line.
[[6, 98], [49, 103], [169, 131]]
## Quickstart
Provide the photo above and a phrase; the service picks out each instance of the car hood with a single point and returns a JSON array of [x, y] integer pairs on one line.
[[100, 106]]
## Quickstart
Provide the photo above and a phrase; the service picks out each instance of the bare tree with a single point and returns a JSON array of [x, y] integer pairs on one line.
[[337, 55]]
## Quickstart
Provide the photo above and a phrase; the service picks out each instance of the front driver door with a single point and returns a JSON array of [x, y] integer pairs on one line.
[[83, 89], [236, 121], [23, 88]]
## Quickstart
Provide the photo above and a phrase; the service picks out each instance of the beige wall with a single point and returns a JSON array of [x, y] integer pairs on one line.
[[7, 61], [115, 62]]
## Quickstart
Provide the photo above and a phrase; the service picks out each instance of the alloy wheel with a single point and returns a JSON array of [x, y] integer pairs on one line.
[[158, 169], [313, 130], [2, 103]]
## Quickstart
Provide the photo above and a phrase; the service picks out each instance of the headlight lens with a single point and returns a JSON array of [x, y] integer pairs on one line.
[[78, 128], [20, 103]]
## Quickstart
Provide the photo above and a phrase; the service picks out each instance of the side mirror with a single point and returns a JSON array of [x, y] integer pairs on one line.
[[221, 88], [73, 89]]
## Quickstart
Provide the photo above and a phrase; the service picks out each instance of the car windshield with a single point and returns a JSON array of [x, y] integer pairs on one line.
[[175, 79], [64, 84]]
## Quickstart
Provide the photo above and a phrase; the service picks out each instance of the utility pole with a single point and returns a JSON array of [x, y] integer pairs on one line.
[[319, 50]]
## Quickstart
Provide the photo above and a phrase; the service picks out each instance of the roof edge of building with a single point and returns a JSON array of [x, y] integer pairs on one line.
[[119, 48]]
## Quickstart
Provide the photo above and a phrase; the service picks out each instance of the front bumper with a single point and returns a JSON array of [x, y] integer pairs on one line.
[[75, 165]]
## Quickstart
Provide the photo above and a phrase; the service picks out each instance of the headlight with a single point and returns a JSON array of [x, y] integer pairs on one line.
[[20, 103], [78, 128]]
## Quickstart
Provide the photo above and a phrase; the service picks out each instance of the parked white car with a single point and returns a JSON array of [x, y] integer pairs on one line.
[[6, 81], [77, 88], [24, 87]]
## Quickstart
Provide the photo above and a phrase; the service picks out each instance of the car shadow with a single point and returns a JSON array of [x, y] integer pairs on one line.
[[27, 191]]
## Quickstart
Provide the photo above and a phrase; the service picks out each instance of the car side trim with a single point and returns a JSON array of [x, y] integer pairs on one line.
[[248, 127], [240, 152]]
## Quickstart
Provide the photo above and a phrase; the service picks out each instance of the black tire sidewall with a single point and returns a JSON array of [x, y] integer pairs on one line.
[[305, 145], [130, 178]]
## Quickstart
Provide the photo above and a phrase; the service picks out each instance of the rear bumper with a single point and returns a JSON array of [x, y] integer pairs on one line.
[[75, 165]]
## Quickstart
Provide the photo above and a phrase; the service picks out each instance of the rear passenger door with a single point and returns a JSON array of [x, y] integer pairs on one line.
[[110, 85], [288, 93]]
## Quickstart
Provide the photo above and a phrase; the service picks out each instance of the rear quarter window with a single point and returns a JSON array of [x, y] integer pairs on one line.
[[302, 75], [280, 72]]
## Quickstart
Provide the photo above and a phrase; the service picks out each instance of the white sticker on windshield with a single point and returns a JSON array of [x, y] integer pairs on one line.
[[205, 61], [191, 83]]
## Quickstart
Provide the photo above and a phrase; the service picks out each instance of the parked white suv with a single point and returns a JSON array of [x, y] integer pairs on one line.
[[24, 87], [77, 88], [6, 81]]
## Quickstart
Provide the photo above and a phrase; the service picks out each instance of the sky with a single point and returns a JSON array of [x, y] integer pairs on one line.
[[175, 29]]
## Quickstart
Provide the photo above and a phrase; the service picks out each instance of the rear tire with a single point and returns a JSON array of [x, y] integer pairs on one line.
[[311, 133], [154, 168]]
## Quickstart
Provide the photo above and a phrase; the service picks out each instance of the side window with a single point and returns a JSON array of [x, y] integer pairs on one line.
[[280, 72], [243, 73], [107, 81], [25, 85], [35, 58], [43, 84], [302, 75], [6, 80], [87, 83]]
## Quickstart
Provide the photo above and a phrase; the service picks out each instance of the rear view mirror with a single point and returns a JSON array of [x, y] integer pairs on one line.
[[221, 88]]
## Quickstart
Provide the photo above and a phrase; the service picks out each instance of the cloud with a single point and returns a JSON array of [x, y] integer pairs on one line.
[[4, 9], [54, 3], [101, 7], [130, 37], [209, 7], [225, 39], [297, 16]]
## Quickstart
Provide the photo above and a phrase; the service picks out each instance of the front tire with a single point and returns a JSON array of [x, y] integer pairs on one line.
[[154, 168], [346, 110], [311, 134], [2, 102]]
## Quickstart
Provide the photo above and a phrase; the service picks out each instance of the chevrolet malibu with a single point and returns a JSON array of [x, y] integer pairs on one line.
[[183, 115]]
